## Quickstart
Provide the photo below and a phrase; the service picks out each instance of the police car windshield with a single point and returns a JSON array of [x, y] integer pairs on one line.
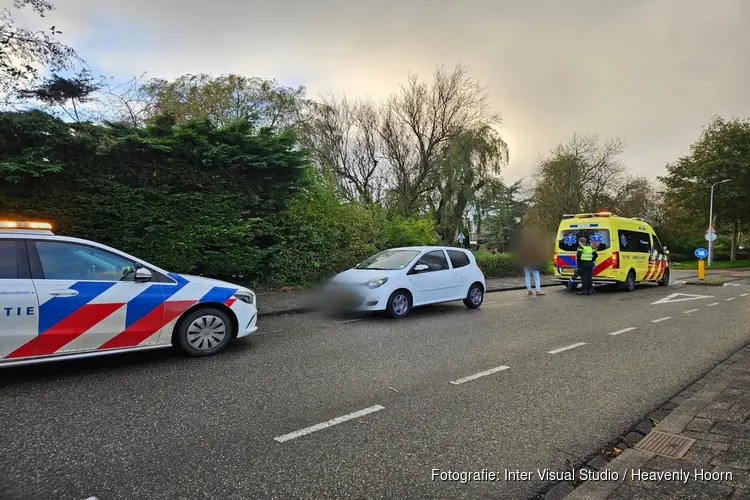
[[567, 240]]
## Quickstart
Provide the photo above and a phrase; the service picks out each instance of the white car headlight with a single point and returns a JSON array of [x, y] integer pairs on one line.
[[244, 296], [377, 282]]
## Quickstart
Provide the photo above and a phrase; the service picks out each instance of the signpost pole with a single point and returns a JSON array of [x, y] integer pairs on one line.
[[701, 269]]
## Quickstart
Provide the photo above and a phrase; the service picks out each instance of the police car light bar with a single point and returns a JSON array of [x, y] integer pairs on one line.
[[8, 224]]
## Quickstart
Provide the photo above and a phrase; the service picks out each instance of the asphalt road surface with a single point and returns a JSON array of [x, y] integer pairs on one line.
[[395, 400]]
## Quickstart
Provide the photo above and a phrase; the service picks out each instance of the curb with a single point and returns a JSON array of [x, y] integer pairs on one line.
[[303, 310], [670, 417]]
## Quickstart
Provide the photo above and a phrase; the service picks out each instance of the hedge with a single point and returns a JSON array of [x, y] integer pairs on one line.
[[501, 265]]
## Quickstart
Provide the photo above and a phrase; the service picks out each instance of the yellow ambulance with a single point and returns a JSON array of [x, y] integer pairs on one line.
[[629, 251]]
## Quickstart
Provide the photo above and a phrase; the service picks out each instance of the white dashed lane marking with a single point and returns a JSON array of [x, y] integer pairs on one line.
[[665, 318], [713, 304], [690, 311], [744, 294], [618, 332], [731, 298], [479, 375], [329, 423], [567, 347]]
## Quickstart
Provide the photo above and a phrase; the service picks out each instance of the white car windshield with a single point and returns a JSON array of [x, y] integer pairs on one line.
[[389, 260]]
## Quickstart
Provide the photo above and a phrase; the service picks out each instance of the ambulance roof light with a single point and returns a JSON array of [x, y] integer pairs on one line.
[[9, 224], [603, 214]]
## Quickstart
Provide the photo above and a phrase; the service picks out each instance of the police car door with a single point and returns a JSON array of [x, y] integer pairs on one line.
[[18, 302], [89, 299]]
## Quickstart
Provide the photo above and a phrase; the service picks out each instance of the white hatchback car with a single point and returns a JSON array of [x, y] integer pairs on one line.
[[63, 298], [398, 279]]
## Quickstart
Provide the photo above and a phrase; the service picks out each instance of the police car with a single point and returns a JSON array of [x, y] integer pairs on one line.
[[64, 298]]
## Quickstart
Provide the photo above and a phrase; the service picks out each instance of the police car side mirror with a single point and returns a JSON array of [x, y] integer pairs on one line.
[[142, 275]]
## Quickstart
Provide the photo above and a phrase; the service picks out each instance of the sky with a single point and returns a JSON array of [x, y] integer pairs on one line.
[[649, 72]]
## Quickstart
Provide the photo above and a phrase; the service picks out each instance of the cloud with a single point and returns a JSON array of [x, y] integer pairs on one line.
[[651, 72]]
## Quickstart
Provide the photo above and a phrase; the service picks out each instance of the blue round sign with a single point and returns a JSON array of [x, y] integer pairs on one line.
[[701, 253]]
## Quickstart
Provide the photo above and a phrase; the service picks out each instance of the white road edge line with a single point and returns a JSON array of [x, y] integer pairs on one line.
[[618, 332], [479, 375], [665, 318], [690, 311], [325, 425], [731, 298], [571, 346], [349, 321]]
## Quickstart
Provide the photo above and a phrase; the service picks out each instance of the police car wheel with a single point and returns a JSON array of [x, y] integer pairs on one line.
[[664, 279], [475, 297], [204, 332], [399, 304]]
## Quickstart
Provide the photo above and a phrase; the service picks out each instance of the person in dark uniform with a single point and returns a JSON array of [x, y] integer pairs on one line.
[[576, 274], [586, 257]]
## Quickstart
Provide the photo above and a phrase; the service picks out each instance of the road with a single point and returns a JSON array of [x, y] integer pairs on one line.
[[158, 426]]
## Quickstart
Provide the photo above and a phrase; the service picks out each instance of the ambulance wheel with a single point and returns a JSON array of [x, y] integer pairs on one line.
[[629, 284], [664, 281], [204, 332]]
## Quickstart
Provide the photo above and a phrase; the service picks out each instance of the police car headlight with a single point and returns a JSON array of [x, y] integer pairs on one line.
[[377, 282], [247, 297]]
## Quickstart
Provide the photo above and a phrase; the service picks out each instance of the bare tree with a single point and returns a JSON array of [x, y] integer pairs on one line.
[[580, 175], [420, 120], [126, 102], [344, 137]]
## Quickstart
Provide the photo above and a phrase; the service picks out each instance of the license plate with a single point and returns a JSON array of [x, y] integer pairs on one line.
[[568, 270]]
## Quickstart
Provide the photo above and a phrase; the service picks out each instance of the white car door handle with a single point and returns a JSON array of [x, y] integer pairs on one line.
[[64, 293]]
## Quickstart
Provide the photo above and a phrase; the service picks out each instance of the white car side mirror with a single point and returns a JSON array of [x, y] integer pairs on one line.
[[421, 267]]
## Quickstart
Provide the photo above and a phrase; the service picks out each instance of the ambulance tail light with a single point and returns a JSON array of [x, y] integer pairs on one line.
[[616, 260], [556, 260]]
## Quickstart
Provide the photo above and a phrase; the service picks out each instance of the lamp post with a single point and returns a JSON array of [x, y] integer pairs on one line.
[[711, 223]]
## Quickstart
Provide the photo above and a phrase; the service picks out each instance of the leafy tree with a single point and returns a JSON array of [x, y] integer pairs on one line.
[[498, 213], [721, 152], [23, 52], [468, 163], [59, 91], [226, 98]]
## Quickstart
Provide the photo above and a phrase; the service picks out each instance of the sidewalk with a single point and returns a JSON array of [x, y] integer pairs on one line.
[[277, 303], [716, 464]]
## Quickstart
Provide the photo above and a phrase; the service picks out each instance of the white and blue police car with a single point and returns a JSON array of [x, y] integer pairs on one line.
[[64, 298]]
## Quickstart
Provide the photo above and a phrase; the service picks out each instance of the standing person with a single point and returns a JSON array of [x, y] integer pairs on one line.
[[576, 273], [595, 246], [532, 257], [586, 257]]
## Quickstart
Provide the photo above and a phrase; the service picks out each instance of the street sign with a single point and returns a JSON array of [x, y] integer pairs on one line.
[[701, 253], [461, 238], [680, 297], [711, 238]]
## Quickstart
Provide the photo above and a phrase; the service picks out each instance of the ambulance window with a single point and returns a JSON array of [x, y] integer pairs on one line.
[[567, 240], [8, 260], [68, 261], [634, 241]]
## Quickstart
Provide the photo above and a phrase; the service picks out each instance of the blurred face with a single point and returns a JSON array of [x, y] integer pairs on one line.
[[582, 241], [594, 245]]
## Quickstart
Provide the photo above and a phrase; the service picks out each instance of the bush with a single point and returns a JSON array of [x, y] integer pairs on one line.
[[725, 256], [498, 265], [679, 257]]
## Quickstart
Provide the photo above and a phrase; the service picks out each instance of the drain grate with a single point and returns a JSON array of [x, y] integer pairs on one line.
[[666, 445]]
